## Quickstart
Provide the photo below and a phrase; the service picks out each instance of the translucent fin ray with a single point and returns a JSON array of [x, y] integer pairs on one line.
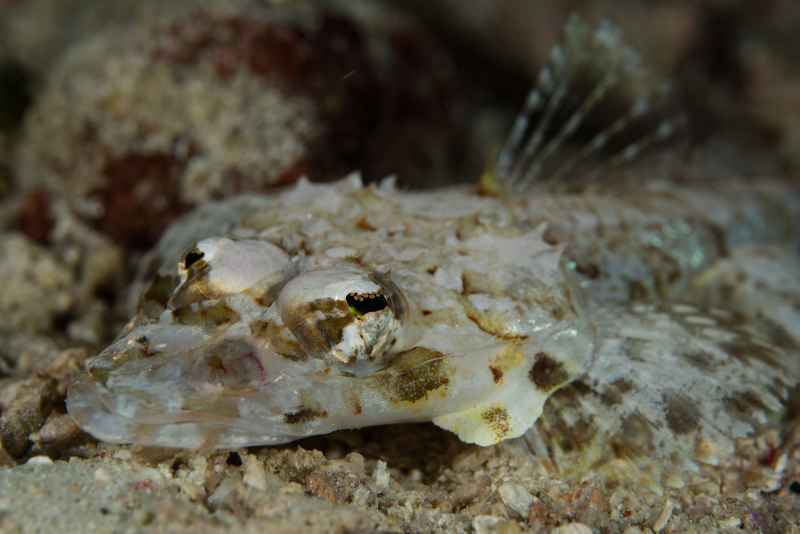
[[535, 152]]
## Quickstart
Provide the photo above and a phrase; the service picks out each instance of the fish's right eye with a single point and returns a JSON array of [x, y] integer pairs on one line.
[[364, 303]]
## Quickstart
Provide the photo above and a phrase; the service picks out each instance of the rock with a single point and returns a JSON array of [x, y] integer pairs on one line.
[[57, 434], [516, 498], [381, 475], [39, 460], [31, 401], [334, 486], [254, 474], [489, 524], [663, 518], [572, 528], [38, 285]]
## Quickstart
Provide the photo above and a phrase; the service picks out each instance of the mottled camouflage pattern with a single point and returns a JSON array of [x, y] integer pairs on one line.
[[661, 321]]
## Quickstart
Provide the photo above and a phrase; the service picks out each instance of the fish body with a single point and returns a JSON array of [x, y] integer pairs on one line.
[[341, 306], [655, 324], [482, 308]]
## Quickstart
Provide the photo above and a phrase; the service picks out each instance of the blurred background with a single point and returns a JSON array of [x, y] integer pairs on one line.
[[128, 113], [137, 110]]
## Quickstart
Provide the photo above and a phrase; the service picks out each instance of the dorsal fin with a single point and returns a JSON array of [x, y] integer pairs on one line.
[[561, 102]]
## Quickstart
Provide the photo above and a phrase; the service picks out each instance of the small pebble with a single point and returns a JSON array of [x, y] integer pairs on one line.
[[39, 460], [123, 454], [675, 481], [225, 489], [731, 522], [102, 476], [356, 460], [382, 475], [664, 516], [489, 524], [254, 474], [516, 498], [572, 528], [361, 497]]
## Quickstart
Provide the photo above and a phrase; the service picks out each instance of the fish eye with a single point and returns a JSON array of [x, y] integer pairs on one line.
[[216, 267], [364, 303], [353, 318], [192, 257]]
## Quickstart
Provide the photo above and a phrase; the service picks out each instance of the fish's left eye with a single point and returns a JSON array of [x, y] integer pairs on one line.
[[364, 303]]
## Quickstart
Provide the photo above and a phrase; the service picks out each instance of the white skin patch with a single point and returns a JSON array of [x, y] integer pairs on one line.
[[239, 265]]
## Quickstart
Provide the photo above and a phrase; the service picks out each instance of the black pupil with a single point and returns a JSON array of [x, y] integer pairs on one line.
[[191, 258], [364, 304]]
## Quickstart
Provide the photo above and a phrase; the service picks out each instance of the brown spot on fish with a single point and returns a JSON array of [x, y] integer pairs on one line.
[[332, 329], [551, 236], [576, 435], [215, 364], [681, 413], [547, 373], [700, 359], [778, 335], [510, 357], [231, 363], [634, 438], [466, 284], [279, 339], [195, 289], [304, 415], [589, 270], [264, 297], [497, 374], [560, 424], [748, 351], [616, 391], [320, 323], [414, 375], [497, 419], [363, 224], [743, 405], [219, 314], [494, 324]]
